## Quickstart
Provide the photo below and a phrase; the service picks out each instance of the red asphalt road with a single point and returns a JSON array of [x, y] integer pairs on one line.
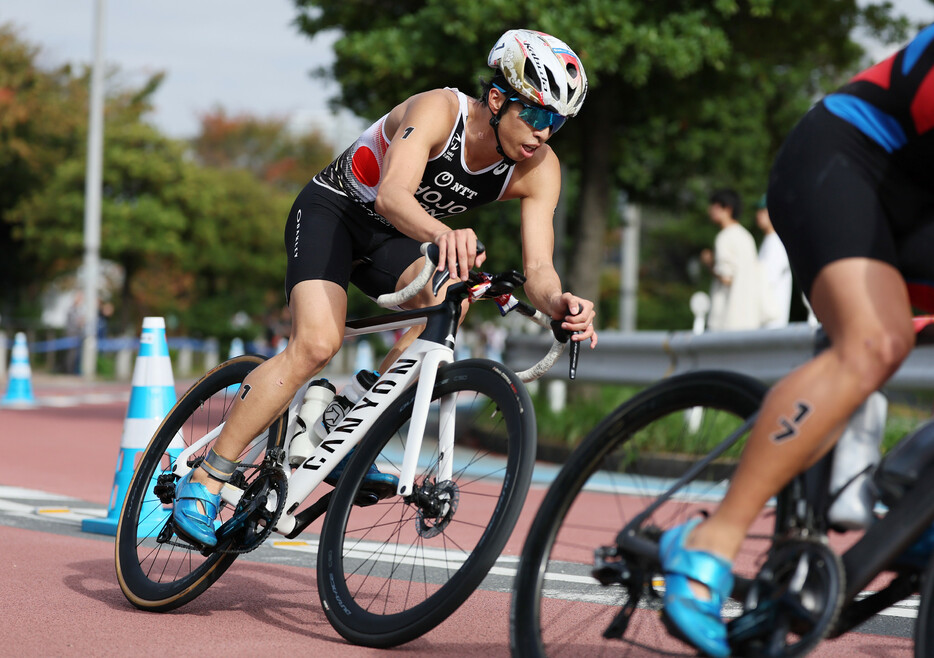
[[59, 595]]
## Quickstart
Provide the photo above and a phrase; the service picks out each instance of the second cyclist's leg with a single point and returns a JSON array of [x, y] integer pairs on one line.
[[318, 310], [865, 310], [864, 307]]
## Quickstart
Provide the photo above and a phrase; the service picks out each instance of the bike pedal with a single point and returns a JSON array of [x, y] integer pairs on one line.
[[611, 574], [608, 568], [373, 493], [195, 544], [379, 489]]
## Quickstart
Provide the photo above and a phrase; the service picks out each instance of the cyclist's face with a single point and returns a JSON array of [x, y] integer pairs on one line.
[[519, 138]]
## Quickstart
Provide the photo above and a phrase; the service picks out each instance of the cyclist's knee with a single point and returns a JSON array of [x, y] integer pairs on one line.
[[310, 355], [876, 354]]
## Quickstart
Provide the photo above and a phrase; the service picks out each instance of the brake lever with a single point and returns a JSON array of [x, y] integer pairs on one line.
[[440, 278], [563, 336], [573, 356]]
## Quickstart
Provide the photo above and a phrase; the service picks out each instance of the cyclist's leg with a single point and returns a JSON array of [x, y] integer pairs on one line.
[[318, 312], [320, 250], [828, 203], [836, 206], [864, 307]]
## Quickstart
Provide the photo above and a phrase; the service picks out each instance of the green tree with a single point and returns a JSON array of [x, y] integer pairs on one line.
[[200, 243], [140, 226], [234, 255], [685, 94], [41, 124], [263, 146]]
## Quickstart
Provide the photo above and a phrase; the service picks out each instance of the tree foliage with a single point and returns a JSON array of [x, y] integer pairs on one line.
[[40, 126], [265, 147], [195, 242], [685, 96]]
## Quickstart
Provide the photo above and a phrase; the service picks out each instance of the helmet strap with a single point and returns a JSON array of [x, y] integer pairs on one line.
[[494, 121]]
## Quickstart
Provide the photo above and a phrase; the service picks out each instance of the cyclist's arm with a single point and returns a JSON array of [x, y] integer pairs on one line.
[[418, 129], [538, 186]]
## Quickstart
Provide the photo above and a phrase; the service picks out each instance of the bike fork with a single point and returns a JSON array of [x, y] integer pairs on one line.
[[433, 359]]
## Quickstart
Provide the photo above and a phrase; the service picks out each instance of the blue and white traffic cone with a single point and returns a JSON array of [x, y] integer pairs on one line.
[[19, 391], [151, 399]]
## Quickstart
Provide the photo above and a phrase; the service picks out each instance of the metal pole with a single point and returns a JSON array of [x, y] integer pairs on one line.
[[629, 265], [92, 198]]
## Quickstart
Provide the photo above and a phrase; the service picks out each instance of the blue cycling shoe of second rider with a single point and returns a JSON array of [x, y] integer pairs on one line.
[[695, 619], [195, 510], [374, 478]]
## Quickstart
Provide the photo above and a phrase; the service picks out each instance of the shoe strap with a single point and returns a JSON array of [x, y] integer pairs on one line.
[[705, 568], [198, 492]]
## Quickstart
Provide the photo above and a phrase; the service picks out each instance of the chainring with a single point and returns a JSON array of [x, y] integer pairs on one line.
[[793, 603], [252, 521]]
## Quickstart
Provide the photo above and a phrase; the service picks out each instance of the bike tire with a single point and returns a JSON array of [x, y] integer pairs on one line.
[[924, 626], [160, 576], [608, 479], [383, 578]]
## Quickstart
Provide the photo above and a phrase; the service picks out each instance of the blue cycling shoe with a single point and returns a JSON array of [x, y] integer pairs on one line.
[[383, 484], [188, 517], [694, 620]]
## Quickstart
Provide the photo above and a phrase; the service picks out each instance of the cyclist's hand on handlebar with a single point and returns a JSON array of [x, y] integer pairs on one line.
[[458, 252], [579, 318]]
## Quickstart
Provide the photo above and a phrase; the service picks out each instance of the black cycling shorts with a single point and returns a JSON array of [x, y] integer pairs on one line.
[[834, 193], [329, 237]]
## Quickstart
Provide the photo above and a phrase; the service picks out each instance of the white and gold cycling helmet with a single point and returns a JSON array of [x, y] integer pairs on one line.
[[541, 68]]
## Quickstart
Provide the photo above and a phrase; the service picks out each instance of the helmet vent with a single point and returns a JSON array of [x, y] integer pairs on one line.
[[572, 71], [531, 76], [552, 81]]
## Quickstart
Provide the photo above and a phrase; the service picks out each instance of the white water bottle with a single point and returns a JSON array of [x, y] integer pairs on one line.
[[319, 394], [855, 458], [344, 401]]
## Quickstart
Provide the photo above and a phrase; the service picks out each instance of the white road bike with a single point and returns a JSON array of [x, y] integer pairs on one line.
[[392, 563]]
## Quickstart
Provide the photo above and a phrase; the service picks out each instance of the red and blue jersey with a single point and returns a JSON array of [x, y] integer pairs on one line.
[[893, 104]]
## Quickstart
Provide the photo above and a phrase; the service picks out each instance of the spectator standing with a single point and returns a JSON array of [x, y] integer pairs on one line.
[[736, 294], [775, 267], [74, 329]]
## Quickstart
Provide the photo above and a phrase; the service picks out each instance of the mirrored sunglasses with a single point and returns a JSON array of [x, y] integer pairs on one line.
[[537, 117]]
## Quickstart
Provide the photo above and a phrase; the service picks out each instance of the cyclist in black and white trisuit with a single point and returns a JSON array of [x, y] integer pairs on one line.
[[432, 157], [851, 194]]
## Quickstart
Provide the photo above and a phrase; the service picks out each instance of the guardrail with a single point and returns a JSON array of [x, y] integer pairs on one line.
[[640, 358], [644, 357]]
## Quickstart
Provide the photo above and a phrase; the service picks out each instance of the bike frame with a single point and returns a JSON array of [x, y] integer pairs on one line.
[[418, 363]]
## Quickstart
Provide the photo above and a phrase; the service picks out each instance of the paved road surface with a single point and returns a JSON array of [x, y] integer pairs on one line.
[[59, 595]]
